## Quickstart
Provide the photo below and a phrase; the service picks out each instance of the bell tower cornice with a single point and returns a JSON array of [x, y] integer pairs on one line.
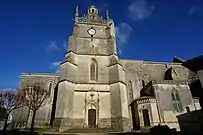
[[92, 16], [92, 34]]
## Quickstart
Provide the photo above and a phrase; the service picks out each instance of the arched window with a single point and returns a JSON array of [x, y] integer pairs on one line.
[[50, 87], [176, 100], [130, 88], [93, 70], [168, 74]]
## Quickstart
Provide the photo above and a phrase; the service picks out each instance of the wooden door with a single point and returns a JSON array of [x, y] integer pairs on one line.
[[146, 117], [92, 118]]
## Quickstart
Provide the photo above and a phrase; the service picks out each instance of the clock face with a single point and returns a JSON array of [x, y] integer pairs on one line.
[[91, 31]]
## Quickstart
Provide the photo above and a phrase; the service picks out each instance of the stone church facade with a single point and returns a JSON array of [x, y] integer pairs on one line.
[[96, 89]]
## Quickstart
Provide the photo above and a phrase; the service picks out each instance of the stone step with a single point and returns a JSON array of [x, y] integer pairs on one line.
[[92, 134], [57, 133], [90, 130]]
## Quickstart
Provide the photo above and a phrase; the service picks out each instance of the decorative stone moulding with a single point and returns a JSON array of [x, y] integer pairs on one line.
[[196, 100], [143, 100], [169, 82], [86, 20]]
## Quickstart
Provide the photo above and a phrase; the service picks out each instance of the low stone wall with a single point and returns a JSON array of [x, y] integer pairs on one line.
[[104, 123], [119, 124]]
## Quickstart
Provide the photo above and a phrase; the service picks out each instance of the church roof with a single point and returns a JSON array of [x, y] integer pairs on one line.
[[38, 73], [194, 64]]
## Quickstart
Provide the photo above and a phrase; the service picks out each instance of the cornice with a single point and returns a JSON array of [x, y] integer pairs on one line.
[[156, 62], [74, 82], [115, 64], [169, 82], [40, 74], [91, 23], [68, 62], [117, 82], [143, 100], [91, 54], [91, 90]]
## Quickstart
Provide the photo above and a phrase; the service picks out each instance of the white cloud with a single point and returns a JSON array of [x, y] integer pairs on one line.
[[123, 33], [56, 46], [56, 66], [19, 76], [57, 70], [52, 46], [192, 10], [65, 46], [140, 10], [119, 51]]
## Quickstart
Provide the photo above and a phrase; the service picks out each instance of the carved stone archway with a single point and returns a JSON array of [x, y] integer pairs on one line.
[[91, 103]]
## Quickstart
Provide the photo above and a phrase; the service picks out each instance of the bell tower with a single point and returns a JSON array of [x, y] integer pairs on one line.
[[92, 29], [92, 90], [92, 13]]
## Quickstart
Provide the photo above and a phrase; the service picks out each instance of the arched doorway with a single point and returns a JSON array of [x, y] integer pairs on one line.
[[145, 113], [92, 118]]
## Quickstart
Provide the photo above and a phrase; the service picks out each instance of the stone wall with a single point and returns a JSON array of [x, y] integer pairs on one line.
[[64, 105], [83, 68], [138, 70], [80, 41], [167, 111], [68, 71], [133, 73], [20, 116], [119, 107], [43, 115], [80, 71]]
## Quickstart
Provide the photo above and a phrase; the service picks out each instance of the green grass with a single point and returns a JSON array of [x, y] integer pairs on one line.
[[27, 132]]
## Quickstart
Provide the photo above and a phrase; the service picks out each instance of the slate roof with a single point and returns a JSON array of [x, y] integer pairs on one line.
[[194, 64]]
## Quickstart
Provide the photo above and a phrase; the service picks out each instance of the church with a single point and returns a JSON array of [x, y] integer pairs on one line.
[[97, 89]]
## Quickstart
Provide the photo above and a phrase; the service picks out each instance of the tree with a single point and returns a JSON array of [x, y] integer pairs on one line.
[[34, 96], [9, 101], [2, 114]]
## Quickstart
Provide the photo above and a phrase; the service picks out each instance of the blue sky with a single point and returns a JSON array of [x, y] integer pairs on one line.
[[34, 33]]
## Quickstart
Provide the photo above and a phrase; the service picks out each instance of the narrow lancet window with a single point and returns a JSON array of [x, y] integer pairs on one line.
[[50, 88], [93, 70]]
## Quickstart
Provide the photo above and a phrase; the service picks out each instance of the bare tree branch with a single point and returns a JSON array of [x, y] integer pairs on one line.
[[9, 101], [34, 96]]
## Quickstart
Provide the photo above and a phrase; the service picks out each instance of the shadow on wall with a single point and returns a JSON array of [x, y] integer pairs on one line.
[[197, 90], [191, 122], [53, 111]]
